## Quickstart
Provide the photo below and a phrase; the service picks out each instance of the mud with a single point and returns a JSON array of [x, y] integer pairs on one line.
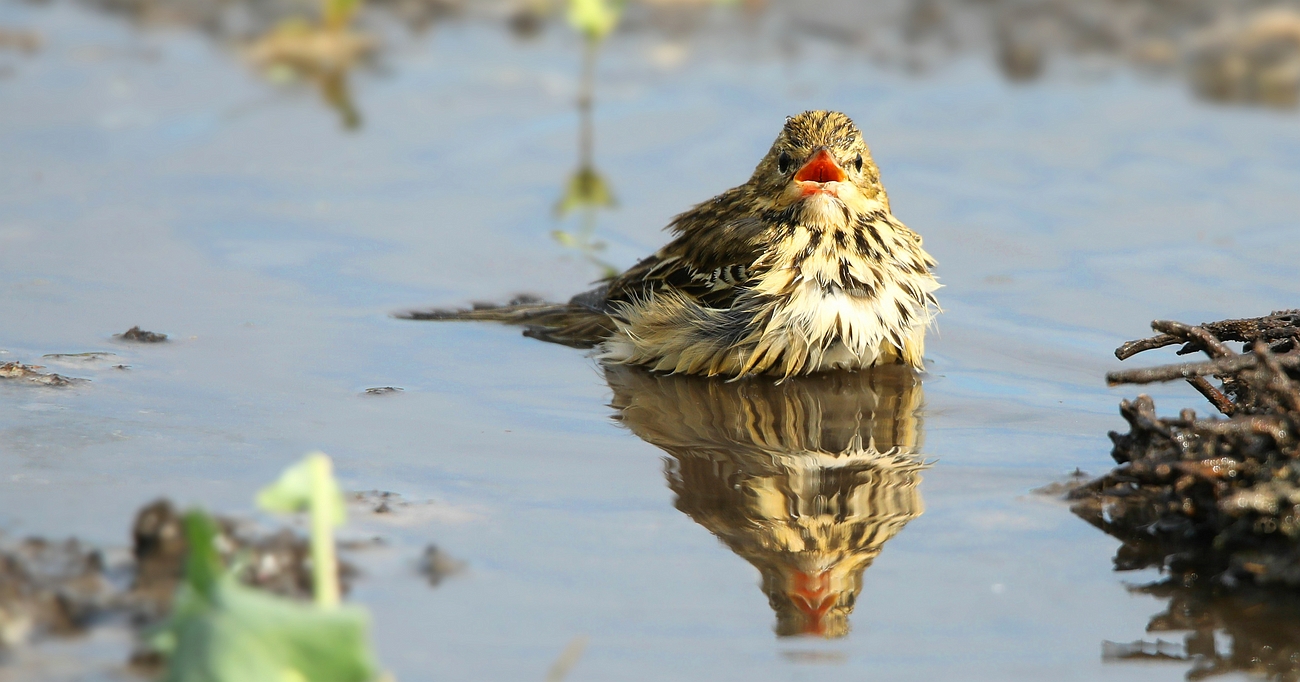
[[31, 374], [1210, 499], [62, 588], [1247, 52], [50, 589], [141, 336]]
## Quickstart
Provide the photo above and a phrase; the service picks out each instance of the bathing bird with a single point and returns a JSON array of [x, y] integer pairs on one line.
[[801, 269]]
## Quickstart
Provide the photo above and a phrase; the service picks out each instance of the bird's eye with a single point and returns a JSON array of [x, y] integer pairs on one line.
[[858, 163], [783, 162]]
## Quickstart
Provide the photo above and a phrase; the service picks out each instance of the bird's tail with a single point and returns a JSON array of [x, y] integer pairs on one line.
[[576, 323]]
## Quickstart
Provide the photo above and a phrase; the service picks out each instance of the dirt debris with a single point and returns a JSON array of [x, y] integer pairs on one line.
[[277, 562], [1212, 502], [49, 588], [437, 565], [139, 335], [20, 40], [16, 371], [52, 589], [1210, 498], [92, 356]]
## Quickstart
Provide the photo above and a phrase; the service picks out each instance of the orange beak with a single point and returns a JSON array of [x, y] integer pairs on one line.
[[821, 168]]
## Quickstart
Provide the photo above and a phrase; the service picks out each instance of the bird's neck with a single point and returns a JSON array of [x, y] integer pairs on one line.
[[832, 244]]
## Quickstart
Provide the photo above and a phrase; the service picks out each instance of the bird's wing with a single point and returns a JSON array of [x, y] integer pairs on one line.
[[711, 257]]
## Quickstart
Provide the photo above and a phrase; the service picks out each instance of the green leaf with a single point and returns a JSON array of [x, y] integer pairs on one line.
[[295, 490], [203, 566], [310, 484], [245, 635], [223, 631]]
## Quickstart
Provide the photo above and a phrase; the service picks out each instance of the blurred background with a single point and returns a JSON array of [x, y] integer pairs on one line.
[[269, 181]]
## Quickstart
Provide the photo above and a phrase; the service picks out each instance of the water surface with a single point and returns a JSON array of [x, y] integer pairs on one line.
[[152, 178]]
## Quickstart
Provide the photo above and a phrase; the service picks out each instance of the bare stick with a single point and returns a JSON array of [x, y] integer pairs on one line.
[[1212, 394], [1209, 342], [1186, 370], [1131, 348]]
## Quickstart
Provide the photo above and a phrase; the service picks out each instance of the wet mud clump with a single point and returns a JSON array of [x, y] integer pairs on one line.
[[49, 588], [277, 562], [54, 589], [139, 335], [16, 371], [1210, 499]]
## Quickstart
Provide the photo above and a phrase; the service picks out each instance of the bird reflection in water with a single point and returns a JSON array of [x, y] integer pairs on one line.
[[805, 479]]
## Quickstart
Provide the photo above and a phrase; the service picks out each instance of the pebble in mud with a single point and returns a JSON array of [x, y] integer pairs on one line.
[[139, 335]]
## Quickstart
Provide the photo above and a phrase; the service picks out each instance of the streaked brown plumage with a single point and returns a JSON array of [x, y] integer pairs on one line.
[[801, 269]]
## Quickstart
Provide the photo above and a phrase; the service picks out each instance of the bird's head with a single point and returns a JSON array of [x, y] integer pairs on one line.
[[821, 161]]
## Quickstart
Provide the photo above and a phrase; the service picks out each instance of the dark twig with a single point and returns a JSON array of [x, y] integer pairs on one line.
[[1216, 397], [1211, 345], [1230, 365], [1276, 325], [1277, 379], [1132, 348]]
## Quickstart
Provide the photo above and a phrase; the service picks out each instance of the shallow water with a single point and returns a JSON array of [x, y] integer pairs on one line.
[[151, 178]]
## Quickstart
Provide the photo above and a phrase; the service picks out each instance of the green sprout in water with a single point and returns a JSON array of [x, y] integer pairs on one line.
[[309, 485], [587, 190], [594, 19], [223, 631]]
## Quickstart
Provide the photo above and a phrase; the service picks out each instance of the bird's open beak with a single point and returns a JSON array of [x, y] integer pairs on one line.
[[821, 168], [818, 171]]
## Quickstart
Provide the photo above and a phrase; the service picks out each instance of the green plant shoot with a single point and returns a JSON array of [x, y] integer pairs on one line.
[[594, 19], [310, 485], [222, 631]]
